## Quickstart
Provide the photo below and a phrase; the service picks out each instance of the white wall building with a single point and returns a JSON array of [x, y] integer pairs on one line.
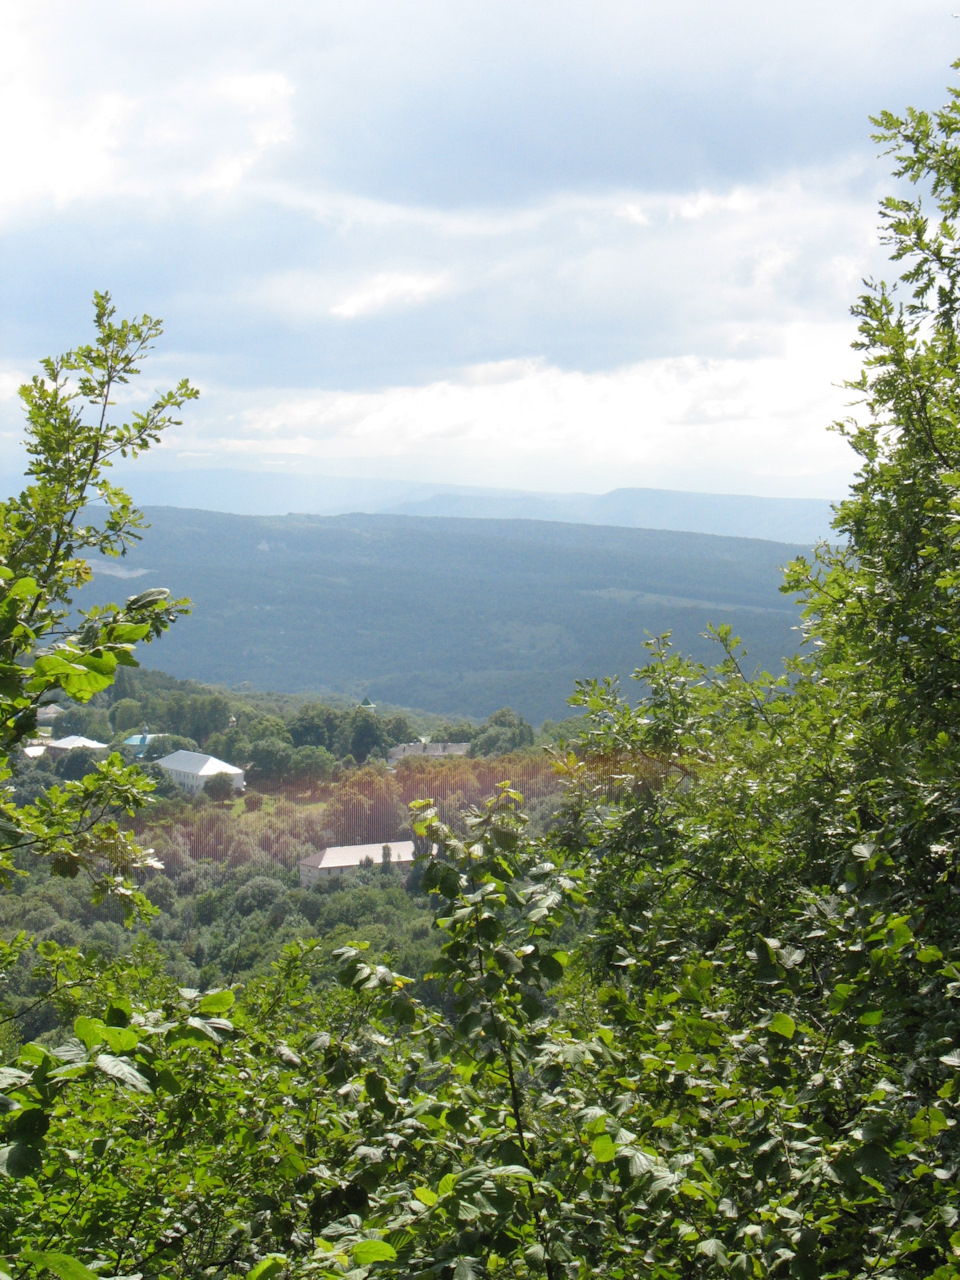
[[191, 769], [339, 859], [433, 750]]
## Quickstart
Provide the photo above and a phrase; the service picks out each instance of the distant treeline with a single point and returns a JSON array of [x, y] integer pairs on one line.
[[280, 740]]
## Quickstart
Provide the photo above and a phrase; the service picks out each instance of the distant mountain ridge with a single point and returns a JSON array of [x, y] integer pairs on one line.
[[723, 514], [449, 615], [797, 520]]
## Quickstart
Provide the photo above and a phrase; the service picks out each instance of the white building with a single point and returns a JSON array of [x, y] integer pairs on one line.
[[339, 859], [434, 750], [191, 769], [60, 745]]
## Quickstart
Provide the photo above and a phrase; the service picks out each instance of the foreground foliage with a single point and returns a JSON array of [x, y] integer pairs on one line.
[[752, 1066]]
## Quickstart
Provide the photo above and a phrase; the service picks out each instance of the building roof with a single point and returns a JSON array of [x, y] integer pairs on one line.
[[75, 740], [345, 856], [197, 763], [140, 739]]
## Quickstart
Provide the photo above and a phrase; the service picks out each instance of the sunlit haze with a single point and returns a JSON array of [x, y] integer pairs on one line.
[[547, 246]]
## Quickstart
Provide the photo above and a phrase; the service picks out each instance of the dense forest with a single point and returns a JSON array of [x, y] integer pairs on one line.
[[225, 889], [452, 615], [702, 1019]]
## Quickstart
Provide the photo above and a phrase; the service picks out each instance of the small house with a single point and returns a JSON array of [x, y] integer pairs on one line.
[[340, 859], [191, 769]]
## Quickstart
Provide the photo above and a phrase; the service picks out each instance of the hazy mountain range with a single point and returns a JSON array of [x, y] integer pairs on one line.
[[801, 520]]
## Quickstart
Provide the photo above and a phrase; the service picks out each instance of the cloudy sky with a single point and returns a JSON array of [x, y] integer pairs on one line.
[[534, 245]]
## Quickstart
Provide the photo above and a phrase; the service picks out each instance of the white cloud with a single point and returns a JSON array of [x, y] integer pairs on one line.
[[12, 379], [304, 296], [530, 424], [387, 291], [627, 232], [67, 142]]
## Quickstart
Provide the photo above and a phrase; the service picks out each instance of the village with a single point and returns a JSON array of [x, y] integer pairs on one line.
[[194, 772]]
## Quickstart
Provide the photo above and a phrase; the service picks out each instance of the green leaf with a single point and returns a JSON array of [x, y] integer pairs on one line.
[[712, 1249], [270, 1266], [89, 1031], [120, 1039], [61, 1264], [367, 1251], [130, 633], [119, 1012], [426, 1196], [217, 1002], [123, 1071], [604, 1149], [511, 1171], [783, 1025]]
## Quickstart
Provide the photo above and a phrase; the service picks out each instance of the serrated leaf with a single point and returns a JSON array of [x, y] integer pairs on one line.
[[125, 1072], [71, 1051], [510, 1171]]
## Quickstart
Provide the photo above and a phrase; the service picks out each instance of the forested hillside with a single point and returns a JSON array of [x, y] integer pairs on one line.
[[447, 615]]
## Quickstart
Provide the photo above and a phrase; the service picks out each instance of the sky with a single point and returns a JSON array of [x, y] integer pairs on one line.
[[553, 246]]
